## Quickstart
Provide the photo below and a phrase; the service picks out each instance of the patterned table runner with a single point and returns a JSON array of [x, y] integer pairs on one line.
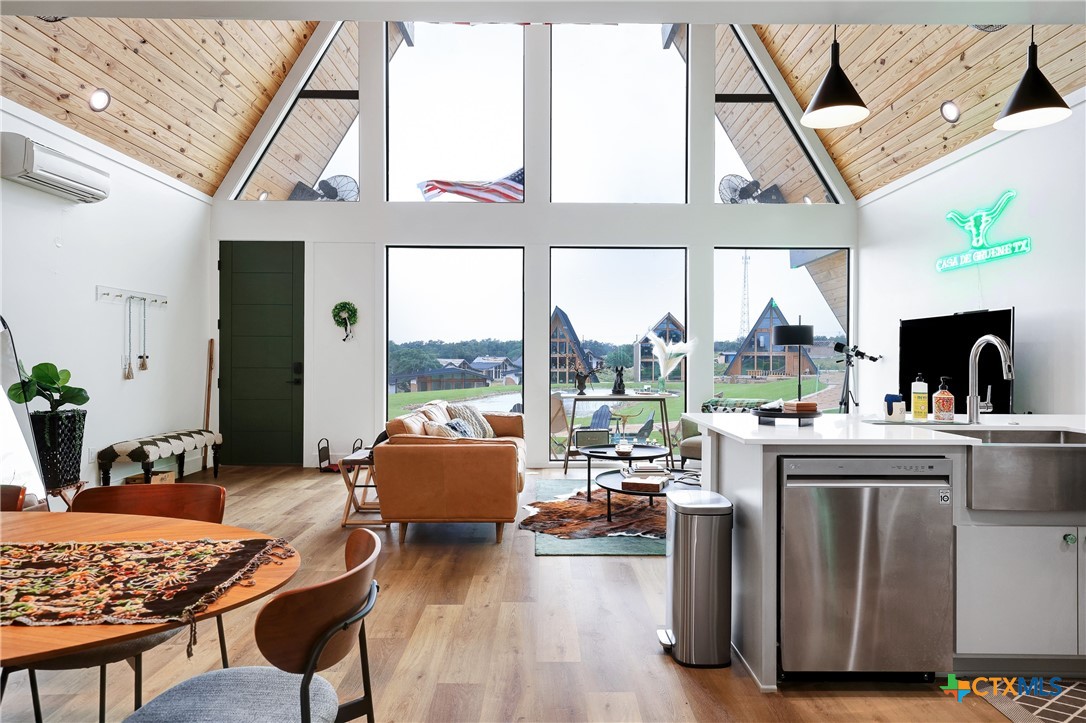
[[91, 583]]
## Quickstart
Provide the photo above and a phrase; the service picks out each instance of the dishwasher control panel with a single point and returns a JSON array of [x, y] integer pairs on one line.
[[846, 467]]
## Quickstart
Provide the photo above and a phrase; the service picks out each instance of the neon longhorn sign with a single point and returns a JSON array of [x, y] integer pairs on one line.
[[977, 225]]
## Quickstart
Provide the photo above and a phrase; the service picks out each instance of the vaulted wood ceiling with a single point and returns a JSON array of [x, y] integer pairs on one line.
[[188, 93], [904, 72]]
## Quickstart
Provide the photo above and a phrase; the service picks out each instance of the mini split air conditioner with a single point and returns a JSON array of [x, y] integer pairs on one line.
[[32, 164]]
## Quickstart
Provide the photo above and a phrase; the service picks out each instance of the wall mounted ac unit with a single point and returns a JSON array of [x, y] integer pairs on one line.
[[32, 164]]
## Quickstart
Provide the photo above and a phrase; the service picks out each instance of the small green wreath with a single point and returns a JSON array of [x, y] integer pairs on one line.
[[345, 314]]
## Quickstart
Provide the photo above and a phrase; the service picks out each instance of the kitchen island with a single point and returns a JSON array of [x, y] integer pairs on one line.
[[746, 463]]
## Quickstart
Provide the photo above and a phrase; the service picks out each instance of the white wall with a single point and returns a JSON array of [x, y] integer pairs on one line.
[[150, 235], [903, 231]]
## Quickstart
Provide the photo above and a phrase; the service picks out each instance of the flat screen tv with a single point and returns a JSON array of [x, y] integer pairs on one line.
[[939, 346]]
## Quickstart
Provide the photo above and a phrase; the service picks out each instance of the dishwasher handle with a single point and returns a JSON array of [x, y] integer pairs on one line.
[[909, 482]]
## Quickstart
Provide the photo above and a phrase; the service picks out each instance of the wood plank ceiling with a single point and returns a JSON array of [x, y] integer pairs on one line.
[[186, 93], [904, 72]]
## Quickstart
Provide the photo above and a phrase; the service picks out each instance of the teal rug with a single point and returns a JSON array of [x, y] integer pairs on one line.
[[550, 489]]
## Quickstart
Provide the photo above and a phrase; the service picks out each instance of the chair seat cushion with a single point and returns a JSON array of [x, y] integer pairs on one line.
[[690, 448], [245, 695]]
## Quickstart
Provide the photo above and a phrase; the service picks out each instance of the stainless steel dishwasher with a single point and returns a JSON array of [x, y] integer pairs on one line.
[[866, 565]]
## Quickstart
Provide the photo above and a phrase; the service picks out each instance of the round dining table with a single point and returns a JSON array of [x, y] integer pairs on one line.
[[24, 644]]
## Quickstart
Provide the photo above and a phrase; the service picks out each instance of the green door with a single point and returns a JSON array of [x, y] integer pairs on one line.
[[260, 337]]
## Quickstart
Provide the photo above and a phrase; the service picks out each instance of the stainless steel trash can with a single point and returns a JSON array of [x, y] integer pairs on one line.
[[698, 618]]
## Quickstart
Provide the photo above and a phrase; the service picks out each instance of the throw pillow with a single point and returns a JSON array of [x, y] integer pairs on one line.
[[473, 418], [459, 428], [436, 429]]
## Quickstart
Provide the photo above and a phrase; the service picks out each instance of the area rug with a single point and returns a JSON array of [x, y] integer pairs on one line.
[[566, 523], [1065, 706]]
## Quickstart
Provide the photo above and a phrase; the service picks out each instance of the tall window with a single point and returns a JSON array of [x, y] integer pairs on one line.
[[455, 327], [455, 112], [758, 289], [759, 159], [618, 113], [314, 153], [604, 303]]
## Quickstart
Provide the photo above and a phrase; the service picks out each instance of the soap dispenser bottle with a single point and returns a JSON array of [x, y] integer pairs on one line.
[[943, 402], [920, 398]]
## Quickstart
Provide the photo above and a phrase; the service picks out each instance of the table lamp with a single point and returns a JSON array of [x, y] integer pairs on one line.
[[799, 335]]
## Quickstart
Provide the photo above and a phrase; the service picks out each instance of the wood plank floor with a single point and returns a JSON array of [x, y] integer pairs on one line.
[[467, 630]]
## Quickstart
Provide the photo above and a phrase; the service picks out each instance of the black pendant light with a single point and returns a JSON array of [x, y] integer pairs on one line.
[[1035, 102], [836, 103]]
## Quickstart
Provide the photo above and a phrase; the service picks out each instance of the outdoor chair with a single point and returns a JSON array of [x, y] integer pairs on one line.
[[182, 500], [601, 418], [300, 632], [559, 426], [646, 428]]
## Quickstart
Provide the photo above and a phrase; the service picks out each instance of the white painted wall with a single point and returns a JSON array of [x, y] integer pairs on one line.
[[150, 235], [903, 230]]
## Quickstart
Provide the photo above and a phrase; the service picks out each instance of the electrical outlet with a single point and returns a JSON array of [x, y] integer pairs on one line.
[[90, 455]]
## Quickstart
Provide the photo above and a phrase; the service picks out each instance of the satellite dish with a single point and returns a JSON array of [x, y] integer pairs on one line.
[[338, 188], [736, 189]]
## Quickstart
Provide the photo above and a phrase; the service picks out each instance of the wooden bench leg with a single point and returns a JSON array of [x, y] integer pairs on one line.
[[215, 458], [147, 467], [180, 465], [104, 467]]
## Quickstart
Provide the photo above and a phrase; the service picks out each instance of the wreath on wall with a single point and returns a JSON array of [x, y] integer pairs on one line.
[[345, 314]]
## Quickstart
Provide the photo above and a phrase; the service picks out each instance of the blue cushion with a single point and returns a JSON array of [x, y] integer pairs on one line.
[[245, 695]]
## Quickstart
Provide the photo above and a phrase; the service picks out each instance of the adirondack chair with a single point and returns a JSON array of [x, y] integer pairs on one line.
[[646, 428]]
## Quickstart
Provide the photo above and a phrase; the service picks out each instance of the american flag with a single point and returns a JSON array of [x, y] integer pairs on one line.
[[505, 190]]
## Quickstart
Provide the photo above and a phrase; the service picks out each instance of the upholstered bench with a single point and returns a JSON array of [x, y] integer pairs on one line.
[[147, 450]]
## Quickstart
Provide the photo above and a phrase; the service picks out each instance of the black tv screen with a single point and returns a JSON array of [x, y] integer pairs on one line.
[[939, 346]]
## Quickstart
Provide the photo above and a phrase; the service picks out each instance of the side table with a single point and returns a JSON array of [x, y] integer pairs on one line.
[[351, 467]]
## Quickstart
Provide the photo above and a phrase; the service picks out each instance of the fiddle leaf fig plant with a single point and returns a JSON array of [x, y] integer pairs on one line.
[[49, 383]]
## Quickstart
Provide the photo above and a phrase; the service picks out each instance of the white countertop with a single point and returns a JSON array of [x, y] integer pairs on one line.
[[852, 429]]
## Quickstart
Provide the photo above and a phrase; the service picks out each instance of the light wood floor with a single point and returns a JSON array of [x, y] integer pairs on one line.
[[466, 630]]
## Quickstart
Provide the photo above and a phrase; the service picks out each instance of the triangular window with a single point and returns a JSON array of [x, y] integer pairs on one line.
[[313, 155], [759, 159]]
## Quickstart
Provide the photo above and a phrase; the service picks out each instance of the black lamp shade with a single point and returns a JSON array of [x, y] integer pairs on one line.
[[836, 102], [1034, 103], [793, 334]]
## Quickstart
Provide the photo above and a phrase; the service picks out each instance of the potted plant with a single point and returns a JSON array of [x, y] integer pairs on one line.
[[58, 433]]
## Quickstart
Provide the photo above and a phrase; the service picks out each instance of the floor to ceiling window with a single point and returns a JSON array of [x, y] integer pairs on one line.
[[604, 303], [758, 289], [455, 112], [618, 113], [455, 327]]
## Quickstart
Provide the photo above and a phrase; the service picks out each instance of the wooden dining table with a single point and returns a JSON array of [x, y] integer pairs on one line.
[[23, 644]]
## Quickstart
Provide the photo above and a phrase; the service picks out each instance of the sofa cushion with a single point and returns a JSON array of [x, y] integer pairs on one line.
[[473, 418], [435, 411], [437, 429], [460, 428], [406, 424], [506, 424]]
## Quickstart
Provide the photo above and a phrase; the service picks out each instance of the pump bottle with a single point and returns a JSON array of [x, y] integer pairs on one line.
[[920, 398]]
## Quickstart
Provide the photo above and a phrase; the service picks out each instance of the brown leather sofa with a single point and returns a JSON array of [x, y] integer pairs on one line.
[[425, 478]]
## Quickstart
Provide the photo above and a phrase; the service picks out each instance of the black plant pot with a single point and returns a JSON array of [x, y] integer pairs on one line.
[[59, 437]]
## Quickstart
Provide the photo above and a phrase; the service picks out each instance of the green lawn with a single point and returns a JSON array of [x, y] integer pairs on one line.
[[398, 403]]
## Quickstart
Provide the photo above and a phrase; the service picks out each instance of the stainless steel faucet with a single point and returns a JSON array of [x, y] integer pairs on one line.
[[972, 401]]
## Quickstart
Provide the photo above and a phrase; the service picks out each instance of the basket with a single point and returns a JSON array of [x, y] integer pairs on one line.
[[59, 439]]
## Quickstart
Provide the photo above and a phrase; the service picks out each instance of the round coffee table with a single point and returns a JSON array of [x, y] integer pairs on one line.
[[607, 451], [612, 482]]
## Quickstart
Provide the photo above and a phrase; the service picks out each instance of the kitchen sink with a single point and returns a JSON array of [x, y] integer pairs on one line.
[[1026, 470]]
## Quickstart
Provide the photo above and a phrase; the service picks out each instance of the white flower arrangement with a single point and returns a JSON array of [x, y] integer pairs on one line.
[[668, 355]]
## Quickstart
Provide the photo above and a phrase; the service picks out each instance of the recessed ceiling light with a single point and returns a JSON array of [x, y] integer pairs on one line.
[[263, 196], [950, 111], [99, 100], [807, 200]]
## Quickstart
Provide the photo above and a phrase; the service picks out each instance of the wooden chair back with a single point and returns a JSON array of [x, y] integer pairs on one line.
[[11, 498], [559, 420], [181, 500], [290, 626]]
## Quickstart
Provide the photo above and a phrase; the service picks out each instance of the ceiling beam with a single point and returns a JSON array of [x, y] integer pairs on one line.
[[1049, 12]]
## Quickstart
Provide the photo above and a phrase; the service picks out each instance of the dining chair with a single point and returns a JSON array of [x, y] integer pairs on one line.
[[300, 632], [11, 498], [181, 500]]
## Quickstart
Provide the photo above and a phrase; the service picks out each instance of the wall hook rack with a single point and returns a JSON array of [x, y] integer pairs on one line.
[[117, 296]]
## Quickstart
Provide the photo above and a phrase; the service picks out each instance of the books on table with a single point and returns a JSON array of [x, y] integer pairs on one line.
[[795, 406], [644, 484]]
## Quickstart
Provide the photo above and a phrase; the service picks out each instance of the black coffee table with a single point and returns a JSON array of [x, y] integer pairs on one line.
[[607, 451], [612, 482]]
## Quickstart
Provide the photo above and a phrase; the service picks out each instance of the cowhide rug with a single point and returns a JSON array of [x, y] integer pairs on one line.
[[575, 518]]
